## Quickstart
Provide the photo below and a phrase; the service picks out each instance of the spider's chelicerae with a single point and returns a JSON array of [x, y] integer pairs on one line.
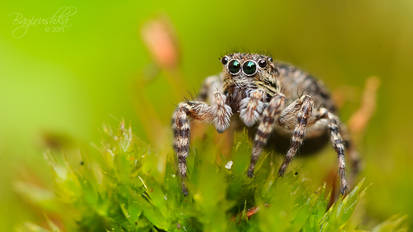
[[269, 97]]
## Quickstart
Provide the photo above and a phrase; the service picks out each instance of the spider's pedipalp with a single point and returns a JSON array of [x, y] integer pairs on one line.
[[251, 107], [221, 112]]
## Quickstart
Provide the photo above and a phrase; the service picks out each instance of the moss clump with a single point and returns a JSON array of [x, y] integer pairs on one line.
[[124, 186]]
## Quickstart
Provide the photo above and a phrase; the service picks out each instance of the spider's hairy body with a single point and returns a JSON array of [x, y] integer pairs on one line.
[[270, 98], [296, 83]]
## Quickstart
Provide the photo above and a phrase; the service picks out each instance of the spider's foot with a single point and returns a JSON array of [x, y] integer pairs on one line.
[[344, 188], [184, 190], [250, 173], [281, 171]]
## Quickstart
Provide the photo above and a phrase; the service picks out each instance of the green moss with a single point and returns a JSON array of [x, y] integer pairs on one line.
[[125, 186]]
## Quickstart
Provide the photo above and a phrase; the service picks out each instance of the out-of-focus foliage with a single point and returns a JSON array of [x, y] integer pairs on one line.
[[127, 187]]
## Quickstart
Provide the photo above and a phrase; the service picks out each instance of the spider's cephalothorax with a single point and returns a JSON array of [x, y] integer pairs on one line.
[[268, 97], [245, 75]]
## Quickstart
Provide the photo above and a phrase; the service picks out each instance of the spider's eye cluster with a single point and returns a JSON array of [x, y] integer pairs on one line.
[[249, 67]]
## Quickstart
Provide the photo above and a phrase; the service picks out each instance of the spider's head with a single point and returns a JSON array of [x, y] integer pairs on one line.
[[248, 70]]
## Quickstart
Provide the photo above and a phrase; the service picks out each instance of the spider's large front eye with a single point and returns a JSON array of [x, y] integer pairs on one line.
[[249, 67], [234, 67]]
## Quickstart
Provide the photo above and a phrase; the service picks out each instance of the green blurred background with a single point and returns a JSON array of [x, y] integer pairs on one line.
[[68, 83]]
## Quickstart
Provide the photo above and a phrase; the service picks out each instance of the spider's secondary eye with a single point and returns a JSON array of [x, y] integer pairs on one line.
[[224, 60], [262, 63], [270, 59], [234, 66], [249, 67]]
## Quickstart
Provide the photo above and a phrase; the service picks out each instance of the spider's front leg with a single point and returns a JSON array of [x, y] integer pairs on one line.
[[265, 128], [217, 113], [306, 106]]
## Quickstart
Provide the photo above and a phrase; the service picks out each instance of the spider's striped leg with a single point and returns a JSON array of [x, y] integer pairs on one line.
[[265, 128], [218, 113], [181, 130], [303, 117], [353, 155], [338, 144]]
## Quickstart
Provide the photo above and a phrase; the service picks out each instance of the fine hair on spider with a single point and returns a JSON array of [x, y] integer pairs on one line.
[[269, 98]]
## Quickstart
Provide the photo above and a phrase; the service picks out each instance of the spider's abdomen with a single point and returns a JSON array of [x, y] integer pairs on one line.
[[296, 83]]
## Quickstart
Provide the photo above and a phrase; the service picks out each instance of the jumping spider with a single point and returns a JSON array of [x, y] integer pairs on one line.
[[278, 97]]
